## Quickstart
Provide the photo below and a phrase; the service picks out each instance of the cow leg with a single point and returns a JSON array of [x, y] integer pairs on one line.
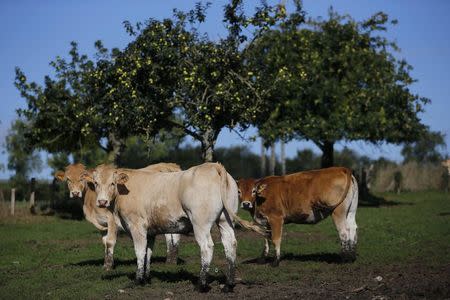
[[140, 248], [148, 256], [109, 240], [172, 241], [204, 240], [229, 244], [265, 251], [344, 219], [276, 225]]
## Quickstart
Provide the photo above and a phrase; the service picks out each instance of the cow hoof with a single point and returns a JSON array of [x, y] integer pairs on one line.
[[108, 268], [203, 288], [139, 282], [348, 257], [261, 260], [275, 263], [228, 288], [171, 261]]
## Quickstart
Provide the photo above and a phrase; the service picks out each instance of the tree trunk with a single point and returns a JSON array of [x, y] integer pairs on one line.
[[209, 138], [115, 148], [283, 158], [272, 159], [263, 158], [327, 148]]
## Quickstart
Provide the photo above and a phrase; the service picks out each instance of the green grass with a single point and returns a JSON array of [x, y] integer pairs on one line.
[[48, 257]]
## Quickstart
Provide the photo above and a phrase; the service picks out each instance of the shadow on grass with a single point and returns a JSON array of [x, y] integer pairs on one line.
[[166, 276], [331, 258], [445, 213], [126, 262], [370, 200]]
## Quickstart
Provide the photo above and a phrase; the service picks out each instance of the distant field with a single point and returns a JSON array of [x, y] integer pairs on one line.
[[406, 242]]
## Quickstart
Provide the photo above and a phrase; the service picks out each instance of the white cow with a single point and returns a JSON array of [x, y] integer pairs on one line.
[[101, 217], [147, 204]]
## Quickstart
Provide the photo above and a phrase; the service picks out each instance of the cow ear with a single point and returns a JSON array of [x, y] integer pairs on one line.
[[60, 175], [87, 175], [261, 188], [121, 178]]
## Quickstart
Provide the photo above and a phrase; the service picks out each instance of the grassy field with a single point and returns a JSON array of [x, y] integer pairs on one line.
[[403, 253]]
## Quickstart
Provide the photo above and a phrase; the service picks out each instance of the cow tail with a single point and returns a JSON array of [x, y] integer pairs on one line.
[[354, 190], [223, 191]]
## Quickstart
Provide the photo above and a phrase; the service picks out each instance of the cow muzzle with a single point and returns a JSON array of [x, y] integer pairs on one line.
[[75, 194], [102, 203], [246, 205]]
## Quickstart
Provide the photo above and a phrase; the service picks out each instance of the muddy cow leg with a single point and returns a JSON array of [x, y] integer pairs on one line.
[[344, 219], [276, 225], [229, 244], [140, 248], [202, 235], [109, 240], [172, 242], [265, 252], [148, 255]]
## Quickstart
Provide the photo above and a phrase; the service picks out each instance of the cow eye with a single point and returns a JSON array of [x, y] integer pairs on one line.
[[239, 192], [95, 183], [112, 183]]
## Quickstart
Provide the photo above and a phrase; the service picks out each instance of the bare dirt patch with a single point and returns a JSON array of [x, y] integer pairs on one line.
[[414, 281]]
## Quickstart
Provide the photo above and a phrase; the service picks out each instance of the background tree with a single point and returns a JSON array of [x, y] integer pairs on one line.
[[205, 82], [20, 159], [430, 147], [334, 80], [56, 112]]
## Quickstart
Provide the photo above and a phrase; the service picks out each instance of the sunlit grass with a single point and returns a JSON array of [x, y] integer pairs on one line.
[[55, 258]]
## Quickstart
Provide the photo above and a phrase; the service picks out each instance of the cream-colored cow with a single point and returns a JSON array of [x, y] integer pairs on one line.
[[101, 217], [147, 204]]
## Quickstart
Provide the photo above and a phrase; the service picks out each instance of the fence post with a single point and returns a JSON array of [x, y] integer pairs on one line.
[[273, 159], [32, 196], [283, 157], [13, 200], [263, 158]]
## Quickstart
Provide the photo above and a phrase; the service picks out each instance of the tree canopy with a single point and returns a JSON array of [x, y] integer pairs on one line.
[[320, 80], [335, 79]]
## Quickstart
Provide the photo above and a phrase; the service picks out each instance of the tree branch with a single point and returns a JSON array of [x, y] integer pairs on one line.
[[186, 130]]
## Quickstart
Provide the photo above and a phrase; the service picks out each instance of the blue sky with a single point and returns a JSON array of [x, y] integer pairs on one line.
[[35, 32]]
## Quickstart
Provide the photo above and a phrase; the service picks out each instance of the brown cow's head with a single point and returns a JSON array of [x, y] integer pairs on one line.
[[106, 179], [72, 175], [247, 193]]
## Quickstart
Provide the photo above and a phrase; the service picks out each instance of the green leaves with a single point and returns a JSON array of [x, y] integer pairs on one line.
[[341, 80]]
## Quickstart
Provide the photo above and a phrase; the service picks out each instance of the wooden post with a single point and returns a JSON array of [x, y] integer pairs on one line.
[[13, 200], [272, 161], [2, 196], [283, 158], [263, 158], [32, 195]]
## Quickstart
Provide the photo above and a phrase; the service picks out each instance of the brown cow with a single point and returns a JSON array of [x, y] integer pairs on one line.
[[102, 218], [304, 198]]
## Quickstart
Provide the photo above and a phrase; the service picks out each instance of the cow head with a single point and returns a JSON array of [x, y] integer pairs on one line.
[[247, 193], [106, 180], [72, 175]]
